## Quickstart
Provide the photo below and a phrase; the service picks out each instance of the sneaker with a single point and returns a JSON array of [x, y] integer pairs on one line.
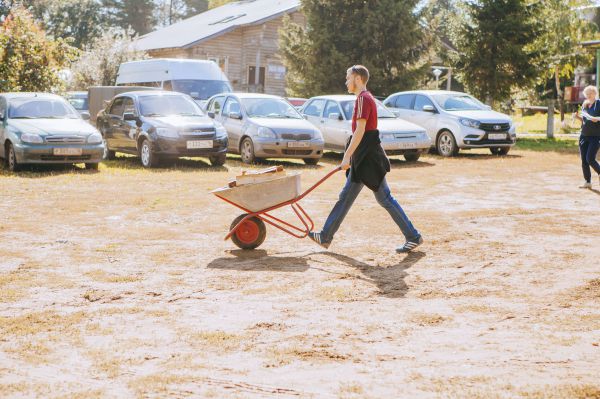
[[587, 184], [409, 246], [316, 237]]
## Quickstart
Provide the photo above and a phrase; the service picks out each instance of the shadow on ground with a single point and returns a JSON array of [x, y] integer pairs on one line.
[[389, 280]]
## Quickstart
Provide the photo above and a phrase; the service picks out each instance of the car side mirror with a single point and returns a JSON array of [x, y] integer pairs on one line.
[[489, 108], [428, 108], [129, 116], [235, 115], [335, 116], [85, 116], [211, 114]]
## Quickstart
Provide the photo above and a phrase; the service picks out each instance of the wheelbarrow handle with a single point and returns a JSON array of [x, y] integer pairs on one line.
[[317, 184]]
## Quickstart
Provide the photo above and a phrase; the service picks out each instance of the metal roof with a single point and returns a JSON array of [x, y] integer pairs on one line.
[[215, 22]]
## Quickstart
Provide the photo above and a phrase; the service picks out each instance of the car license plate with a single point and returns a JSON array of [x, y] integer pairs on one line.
[[407, 145], [497, 136], [199, 144], [68, 151], [297, 144]]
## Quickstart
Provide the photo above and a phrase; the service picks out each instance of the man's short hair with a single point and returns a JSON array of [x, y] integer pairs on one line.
[[361, 71]]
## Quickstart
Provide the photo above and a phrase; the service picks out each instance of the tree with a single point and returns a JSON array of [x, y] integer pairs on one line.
[[383, 35], [171, 11], [564, 31], [76, 20], [497, 47], [99, 65], [137, 15], [30, 61], [218, 3]]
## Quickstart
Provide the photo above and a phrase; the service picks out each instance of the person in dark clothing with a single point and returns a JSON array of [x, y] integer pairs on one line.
[[589, 141], [366, 164]]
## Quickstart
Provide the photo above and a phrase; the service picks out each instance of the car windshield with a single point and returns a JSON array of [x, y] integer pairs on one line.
[[41, 108], [270, 108], [79, 103], [166, 105], [458, 102], [201, 89], [382, 111]]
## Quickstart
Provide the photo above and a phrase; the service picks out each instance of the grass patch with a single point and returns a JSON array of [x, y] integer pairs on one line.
[[537, 123], [570, 146]]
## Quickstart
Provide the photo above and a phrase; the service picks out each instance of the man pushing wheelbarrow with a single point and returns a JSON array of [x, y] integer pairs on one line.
[[366, 164]]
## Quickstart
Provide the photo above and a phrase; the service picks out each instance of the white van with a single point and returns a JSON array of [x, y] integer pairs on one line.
[[201, 79]]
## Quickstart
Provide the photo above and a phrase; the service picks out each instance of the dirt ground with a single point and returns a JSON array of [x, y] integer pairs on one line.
[[118, 284]]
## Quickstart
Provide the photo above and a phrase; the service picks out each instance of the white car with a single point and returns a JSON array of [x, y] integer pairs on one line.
[[455, 120], [333, 116]]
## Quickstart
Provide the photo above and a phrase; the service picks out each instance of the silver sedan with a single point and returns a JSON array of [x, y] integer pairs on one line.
[[264, 126], [333, 116]]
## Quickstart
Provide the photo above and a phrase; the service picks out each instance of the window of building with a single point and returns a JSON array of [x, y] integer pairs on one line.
[[252, 76]]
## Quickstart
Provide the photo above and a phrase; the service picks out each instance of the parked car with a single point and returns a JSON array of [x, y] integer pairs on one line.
[[40, 128], [455, 120], [333, 116], [297, 102], [200, 79], [160, 124], [79, 101], [265, 126]]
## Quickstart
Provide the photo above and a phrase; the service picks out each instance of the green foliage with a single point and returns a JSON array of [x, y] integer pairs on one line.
[[29, 61], [560, 42], [137, 15], [383, 35], [171, 11], [75, 20], [497, 45], [100, 63], [217, 3]]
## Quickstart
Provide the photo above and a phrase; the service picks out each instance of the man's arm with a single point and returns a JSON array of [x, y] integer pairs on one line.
[[356, 138]]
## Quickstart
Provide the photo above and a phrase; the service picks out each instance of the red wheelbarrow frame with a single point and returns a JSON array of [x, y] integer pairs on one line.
[[278, 223]]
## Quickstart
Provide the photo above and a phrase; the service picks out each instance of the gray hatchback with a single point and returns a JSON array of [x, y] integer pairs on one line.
[[265, 126]]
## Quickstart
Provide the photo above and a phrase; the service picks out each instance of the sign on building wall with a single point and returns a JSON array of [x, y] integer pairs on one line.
[[276, 71]]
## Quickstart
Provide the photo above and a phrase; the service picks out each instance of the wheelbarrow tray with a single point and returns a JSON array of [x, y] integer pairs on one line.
[[258, 196]]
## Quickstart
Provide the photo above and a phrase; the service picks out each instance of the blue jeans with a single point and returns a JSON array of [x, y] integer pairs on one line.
[[588, 148], [384, 198]]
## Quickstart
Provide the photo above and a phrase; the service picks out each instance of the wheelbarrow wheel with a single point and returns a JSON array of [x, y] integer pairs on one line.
[[251, 234]]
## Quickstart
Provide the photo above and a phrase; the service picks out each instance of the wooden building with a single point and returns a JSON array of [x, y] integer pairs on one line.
[[241, 37]]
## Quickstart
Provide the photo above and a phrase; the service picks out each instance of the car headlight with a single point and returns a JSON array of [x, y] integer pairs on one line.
[[31, 138], [95, 138], [470, 123], [266, 133], [220, 130], [167, 132]]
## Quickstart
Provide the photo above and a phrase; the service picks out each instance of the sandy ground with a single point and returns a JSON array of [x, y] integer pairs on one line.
[[118, 284]]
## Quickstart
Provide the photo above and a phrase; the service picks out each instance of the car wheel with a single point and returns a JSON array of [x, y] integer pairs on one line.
[[311, 161], [499, 150], [91, 166], [217, 160], [251, 234], [108, 153], [11, 159], [148, 158], [412, 156], [446, 144], [247, 151]]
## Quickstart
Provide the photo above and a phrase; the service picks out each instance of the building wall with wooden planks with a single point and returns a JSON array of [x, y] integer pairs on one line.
[[240, 51]]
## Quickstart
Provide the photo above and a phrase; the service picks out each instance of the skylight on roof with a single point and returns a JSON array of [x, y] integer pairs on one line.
[[228, 19]]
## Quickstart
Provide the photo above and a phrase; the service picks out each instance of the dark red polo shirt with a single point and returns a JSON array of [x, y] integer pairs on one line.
[[365, 108]]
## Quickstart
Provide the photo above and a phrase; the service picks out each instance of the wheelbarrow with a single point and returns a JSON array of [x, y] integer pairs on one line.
[[248, 230]]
